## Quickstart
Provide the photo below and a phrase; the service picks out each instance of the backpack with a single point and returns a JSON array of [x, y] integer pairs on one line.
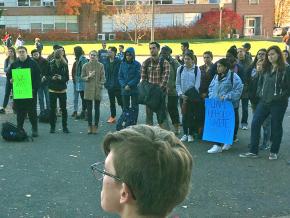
[[44, 116], [12, 133], [128, 118]]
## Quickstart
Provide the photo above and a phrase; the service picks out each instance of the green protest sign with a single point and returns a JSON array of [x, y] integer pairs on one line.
[[22, 84]]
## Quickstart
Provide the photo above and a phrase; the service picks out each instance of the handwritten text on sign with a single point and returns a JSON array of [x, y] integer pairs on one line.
[[219, 121], [22, 84]]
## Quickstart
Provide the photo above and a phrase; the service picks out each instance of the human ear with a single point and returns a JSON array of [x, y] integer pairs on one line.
[[125, 194]]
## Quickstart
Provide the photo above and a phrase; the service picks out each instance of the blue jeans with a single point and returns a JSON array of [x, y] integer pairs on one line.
[[277, 111], [245, 110], [266, 128], [43, 93]]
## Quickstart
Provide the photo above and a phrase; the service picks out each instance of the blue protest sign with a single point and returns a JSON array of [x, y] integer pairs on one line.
[[219, 121]]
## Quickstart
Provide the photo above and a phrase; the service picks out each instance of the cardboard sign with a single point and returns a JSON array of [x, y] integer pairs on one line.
[[219, 121], [22, 83]]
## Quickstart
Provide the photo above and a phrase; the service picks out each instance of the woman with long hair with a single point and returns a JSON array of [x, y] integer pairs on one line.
[[93, 74], [8, 87], [286, 55], [273, 91]]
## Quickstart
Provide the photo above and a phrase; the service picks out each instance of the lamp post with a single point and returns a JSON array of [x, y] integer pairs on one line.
[[152, 20], [221, 6]]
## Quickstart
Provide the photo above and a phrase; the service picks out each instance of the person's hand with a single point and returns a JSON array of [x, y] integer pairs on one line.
[[59, 77], [43, 79], [91, 74], [11, 81], [127, 88], [54, 77], [184, 97], [203, 95], [222, 98]]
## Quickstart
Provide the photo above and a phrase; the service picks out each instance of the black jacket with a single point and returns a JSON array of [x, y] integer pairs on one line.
[[62, 70], [28, 63], [44, 69]]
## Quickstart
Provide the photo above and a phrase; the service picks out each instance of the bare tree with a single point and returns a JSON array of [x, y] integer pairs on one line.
[[282, 12], [134, 18]]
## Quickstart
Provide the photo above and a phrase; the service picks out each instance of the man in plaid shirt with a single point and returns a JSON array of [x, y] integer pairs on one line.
[[156, 71]]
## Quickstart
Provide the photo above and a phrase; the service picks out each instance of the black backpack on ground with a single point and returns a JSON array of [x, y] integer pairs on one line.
[[128, 118], [44, 116], [11, 133]]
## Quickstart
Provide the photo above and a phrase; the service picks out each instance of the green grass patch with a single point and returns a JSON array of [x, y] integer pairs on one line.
[[199, 46]]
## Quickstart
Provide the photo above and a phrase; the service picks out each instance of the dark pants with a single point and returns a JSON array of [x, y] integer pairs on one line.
[[90, 112], [24, 107], [84, 102], [172, 107], [191, 118], [245, 110], [277, 111], [8, 88], [53, 103], [161, 114], [113, 95]]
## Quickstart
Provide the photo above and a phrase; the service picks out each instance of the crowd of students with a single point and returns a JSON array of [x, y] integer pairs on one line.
[[264, 82]]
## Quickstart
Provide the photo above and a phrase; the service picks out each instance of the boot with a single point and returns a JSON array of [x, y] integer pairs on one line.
[[176, 129], [94, 129]]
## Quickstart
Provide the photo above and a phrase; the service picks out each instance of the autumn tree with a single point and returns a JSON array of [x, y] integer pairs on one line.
[[134, 20], [282, 12], [209, 24], [87, 8]]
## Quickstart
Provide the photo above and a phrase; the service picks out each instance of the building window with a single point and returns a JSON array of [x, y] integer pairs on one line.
[[48, 27], [23, 2], [252, 25], [73, 27], [36, 27], [253, 2], [35, 3]]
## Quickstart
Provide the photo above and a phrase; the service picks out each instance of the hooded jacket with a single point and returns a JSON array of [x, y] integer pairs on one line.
[[130, 74], [274, 86], [80, 83], [230, 90]]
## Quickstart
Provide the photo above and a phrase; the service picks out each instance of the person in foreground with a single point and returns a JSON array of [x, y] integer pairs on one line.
[[146, 173]]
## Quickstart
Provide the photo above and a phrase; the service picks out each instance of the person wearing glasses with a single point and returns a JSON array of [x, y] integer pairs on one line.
[[94, 76], [140, 176]]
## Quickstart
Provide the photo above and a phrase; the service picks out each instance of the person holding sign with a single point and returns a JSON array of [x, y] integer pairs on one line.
[[226, 85], [57, 79], [188, 81], [24, 74]]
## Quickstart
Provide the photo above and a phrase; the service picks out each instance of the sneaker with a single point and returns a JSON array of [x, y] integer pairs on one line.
[[74, 114], [184, 138], [215, 149], [34, 133], [90, 130], [244, 126], [65, 130], [248, 154], [190, 138], [236, 140], [226, 147], [264, 147], [273, 156], [2, 111], [111, 120], [52, 130]]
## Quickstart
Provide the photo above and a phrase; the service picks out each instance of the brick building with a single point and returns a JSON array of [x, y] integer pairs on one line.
[[40, 15]]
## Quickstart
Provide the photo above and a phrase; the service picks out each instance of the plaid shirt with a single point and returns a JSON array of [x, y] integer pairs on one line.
[[151, 72]]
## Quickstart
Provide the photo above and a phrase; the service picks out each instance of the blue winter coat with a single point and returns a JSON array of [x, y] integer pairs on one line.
[[130, 74], [230, 90], [80, 83]]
